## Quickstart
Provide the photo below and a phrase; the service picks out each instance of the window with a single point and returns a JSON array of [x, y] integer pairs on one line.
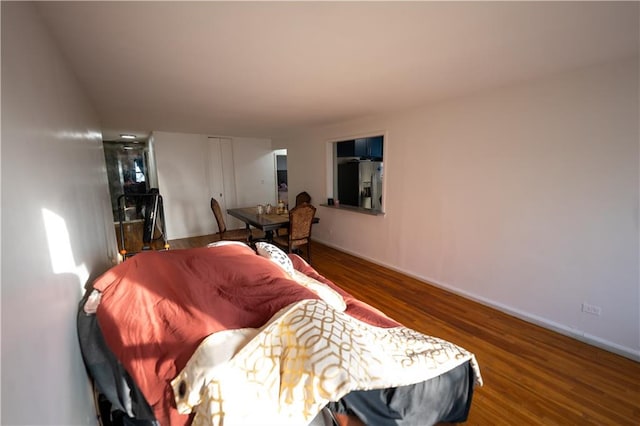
[[358, 172], [139, 173]]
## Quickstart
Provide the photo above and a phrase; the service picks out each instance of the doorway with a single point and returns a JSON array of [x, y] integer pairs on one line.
[[128, 173], [282, 182]]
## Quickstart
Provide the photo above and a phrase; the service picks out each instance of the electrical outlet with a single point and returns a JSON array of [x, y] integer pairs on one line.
[[591, 309]]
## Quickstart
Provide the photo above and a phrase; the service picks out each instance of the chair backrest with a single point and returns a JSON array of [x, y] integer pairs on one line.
[[300, 221], [303, 197], [217, 212]]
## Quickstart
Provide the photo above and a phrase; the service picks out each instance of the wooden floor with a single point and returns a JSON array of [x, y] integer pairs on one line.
[[532, 376]]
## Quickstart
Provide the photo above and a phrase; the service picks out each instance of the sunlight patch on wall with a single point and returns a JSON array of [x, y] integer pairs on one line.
[[60, 252], [88, 135]]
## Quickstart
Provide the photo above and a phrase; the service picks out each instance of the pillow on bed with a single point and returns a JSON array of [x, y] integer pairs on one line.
[[227, 243], [276, 255], [326, 293], [279, 257]]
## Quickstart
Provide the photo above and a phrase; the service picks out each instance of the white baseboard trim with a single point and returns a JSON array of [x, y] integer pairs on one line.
[[525, 316]]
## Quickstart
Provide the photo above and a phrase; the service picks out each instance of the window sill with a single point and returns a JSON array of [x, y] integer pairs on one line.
[[354, 209]]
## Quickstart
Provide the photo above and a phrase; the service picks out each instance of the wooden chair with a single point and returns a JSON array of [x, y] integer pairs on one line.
[[303, 197], [223, 232], [300, 221]]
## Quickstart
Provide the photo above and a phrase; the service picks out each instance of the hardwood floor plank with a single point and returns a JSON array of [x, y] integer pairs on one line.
[[532, 376]]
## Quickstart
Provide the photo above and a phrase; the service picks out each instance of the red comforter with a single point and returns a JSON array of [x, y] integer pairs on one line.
[[157, 307]]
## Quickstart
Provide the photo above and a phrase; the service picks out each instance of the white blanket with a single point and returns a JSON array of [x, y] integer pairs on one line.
[[307, 355]]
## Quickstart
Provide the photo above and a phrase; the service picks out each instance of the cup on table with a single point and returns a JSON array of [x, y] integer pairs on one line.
[[267, 209], [260, 209]]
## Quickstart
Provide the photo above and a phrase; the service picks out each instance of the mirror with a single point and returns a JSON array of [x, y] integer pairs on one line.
[[127, 170]]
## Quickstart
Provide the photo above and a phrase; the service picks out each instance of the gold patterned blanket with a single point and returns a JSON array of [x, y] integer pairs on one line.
[[307, 355]]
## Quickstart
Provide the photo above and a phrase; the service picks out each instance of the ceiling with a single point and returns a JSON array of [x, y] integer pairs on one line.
[[265, 68]]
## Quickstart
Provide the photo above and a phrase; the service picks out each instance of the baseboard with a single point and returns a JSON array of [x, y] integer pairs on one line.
[[525, 316]]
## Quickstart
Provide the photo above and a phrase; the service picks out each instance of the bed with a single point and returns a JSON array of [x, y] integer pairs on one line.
[[236, 335]]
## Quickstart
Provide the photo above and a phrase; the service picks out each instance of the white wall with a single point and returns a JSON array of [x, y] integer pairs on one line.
[[255, 171], [57, 230], [525, 198], [182, 162]]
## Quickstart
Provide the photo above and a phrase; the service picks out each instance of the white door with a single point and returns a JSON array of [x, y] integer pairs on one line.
[[215, 177], [222, 181]]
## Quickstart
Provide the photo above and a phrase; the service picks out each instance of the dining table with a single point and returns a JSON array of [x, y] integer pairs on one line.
[[267, 222]]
